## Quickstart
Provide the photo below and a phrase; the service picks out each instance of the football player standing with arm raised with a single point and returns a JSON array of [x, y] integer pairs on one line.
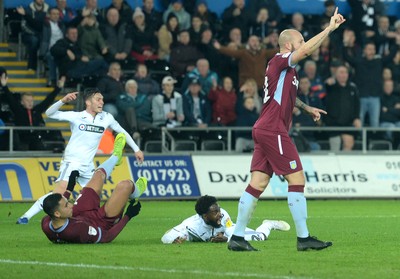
[[274, 152], [87, 128]]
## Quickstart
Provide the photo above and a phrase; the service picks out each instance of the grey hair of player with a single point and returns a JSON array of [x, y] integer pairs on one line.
[[89, 93], [203, 204], [51, 203]]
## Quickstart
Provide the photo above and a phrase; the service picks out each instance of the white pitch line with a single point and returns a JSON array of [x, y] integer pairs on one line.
[[148, 269]]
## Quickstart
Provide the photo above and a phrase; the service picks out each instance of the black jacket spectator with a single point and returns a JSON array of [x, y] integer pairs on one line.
[[342, 104], [110, 88], [368, 72], [151, 16], [23, 116], [235, 16], [188, 109], [115, 34]]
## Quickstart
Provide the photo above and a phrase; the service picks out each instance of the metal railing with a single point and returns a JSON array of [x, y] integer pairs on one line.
[[167, 134], [168, 139], [12, 133]]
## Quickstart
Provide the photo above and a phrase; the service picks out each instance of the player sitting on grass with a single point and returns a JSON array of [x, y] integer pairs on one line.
[[213, 224], [85, 221]]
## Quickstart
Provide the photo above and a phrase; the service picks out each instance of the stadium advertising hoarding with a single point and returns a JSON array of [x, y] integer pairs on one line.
[[29, 179], [327, 176], [168, 176]]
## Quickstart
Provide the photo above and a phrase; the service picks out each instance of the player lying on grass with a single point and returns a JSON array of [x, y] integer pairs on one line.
[[85, 221], [87, 129], [213, 224]]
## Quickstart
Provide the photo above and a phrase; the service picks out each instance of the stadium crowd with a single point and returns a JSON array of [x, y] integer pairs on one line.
[[187, 66]]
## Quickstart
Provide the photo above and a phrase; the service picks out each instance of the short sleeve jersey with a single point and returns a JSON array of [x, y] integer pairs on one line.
[[280, 91], [86, 134], [75, 230]]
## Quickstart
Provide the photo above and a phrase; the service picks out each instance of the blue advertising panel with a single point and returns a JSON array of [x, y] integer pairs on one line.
[[168, 176]]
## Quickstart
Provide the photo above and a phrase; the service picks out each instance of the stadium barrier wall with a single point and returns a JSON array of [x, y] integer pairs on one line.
[[188, 177]]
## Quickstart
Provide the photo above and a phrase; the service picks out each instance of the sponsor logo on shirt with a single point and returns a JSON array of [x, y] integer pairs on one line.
[[91, 128]]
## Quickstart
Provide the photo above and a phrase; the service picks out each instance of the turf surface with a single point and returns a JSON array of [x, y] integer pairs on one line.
[[365, 237]]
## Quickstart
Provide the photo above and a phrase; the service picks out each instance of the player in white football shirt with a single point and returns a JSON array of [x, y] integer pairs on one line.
[[213, 224], [87, 128]]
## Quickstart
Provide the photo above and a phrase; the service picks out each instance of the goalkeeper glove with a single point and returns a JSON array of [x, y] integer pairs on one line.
[[133, 209]]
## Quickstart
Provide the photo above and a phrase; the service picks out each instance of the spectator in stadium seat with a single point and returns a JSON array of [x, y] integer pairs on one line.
[[26, 113], [300, 119], [32, 25], [145, 83], [395, 67], [196, 28], [167, 107], [209, 52], [203, 74], [383, 36], [366, 66], [274, 11], [213, 224], [167, 36], [114, 32], [90, 39], [151, 15], [66, 14], [123, 9], [85, 221], [134, 107], [111, 87], [183, 16], [249, 89], [53, 30], [145, 43], [343, 109], [317, 84], [70, 60], [184, 55], [299, 24], [223, 100], [390, 109], [236, 16], [259, 26], [209, 18], [247, 116], [364, 15], [90, 8], [5, 111], [252, 60], [196, 106]]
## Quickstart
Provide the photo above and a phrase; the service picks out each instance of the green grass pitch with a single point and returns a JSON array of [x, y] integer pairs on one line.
[[365, 235]]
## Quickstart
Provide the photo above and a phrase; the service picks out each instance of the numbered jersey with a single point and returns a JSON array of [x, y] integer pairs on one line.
[[196, 230], [280, 91]]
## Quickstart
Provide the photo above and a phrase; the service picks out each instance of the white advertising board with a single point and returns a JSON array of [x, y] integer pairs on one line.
[[327, 176]]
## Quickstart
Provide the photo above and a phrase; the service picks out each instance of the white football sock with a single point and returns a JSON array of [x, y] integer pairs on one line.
[[298, 207]]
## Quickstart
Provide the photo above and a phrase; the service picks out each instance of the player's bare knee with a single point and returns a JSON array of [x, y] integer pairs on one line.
[[125, 185]]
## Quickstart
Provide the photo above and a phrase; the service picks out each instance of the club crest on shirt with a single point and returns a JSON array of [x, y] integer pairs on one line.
[[293, 165], [92, 231]]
